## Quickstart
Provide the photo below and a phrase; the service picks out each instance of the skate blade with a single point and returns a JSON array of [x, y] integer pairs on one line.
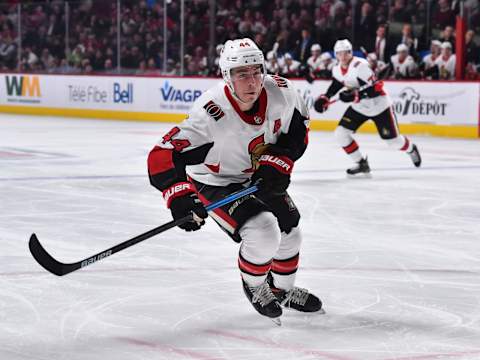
[[360, 176], [318, 312], [277, 321]]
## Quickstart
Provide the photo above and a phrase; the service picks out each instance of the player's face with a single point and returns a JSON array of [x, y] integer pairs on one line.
[[343, 57], [247, 82], [402, 55]]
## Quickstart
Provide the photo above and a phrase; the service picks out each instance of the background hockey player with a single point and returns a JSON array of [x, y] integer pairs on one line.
[[402, 64], [250, 129], [371, 103], [428, 66], [446, 62]]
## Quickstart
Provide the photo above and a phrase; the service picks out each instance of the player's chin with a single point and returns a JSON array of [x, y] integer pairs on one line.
[[250, 96]]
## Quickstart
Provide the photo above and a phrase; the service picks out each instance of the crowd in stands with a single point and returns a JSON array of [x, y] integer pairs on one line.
[[296, 35]]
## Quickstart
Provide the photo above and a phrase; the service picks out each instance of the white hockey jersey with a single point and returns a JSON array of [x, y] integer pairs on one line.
[[429, 60], [359, 69], [315, 63], [446, 67], [403, 69], [215, 118]]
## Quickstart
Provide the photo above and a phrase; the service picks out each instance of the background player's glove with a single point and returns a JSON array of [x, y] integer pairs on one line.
[[321, 104], [182, 201], [273, 174], [349, 95]]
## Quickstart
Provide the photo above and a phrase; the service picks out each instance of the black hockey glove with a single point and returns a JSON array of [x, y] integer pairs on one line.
[[273, 174], [321, 104], [349, 96], [182, 201]]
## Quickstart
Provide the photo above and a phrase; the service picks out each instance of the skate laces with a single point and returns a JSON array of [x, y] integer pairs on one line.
[[262, 294], [297, 295]]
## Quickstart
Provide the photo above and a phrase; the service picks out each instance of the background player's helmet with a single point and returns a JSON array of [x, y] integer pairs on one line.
[[342, 45], [402, 48], [237, 53]]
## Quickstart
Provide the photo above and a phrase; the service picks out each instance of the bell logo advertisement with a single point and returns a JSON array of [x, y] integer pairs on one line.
[[174, 98], [23, 89], [97, 94], [123, 95]]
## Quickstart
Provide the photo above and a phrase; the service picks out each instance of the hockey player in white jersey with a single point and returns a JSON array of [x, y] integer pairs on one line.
[[251, 128], [403, 64], [446, 62], [370, 103]]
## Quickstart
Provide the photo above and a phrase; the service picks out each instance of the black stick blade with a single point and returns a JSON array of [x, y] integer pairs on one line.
[[46, 260]]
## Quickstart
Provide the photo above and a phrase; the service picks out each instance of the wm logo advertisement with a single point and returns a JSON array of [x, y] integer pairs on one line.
[[23, 88]]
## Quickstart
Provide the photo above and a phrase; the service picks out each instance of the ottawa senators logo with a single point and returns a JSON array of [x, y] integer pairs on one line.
[[256, 148], [214, 110]]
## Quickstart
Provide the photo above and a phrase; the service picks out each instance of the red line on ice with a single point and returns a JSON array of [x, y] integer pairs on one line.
[[168, 348], [437, 356], [276, 345]]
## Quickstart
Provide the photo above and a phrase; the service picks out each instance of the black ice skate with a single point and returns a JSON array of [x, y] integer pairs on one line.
[[361, 168], [298, 299], [415, 156], [263, 301]]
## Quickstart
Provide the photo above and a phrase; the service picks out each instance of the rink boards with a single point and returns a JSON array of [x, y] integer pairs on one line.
[[422, 107]]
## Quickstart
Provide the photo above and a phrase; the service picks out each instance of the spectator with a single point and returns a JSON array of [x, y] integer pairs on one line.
[[446, 62], [448, 35], [200, 60], [381, 48], [142, 39], [108, 66], [216, 69], [47, 59], [444, 15], [408, 38], [400, 12], [303, 46], [365, 26], [8, 53], [472, 49]]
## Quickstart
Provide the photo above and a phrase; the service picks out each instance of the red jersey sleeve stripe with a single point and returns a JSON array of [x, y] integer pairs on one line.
[[160, 160]]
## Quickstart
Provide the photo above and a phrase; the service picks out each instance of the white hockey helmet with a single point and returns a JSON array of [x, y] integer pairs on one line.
[[238, 53], [326, 56], [316, 47], [342, 45], [402, 48], [446, 45]]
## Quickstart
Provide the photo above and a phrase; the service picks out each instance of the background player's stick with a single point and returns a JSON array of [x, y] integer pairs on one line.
[[360, 89], [56, 267]]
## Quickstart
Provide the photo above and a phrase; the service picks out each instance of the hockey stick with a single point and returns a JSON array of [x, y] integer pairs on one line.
[[360, 89], [58, 268]]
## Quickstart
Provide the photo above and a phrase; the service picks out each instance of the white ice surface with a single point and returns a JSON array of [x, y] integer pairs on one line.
[[395, 259]]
